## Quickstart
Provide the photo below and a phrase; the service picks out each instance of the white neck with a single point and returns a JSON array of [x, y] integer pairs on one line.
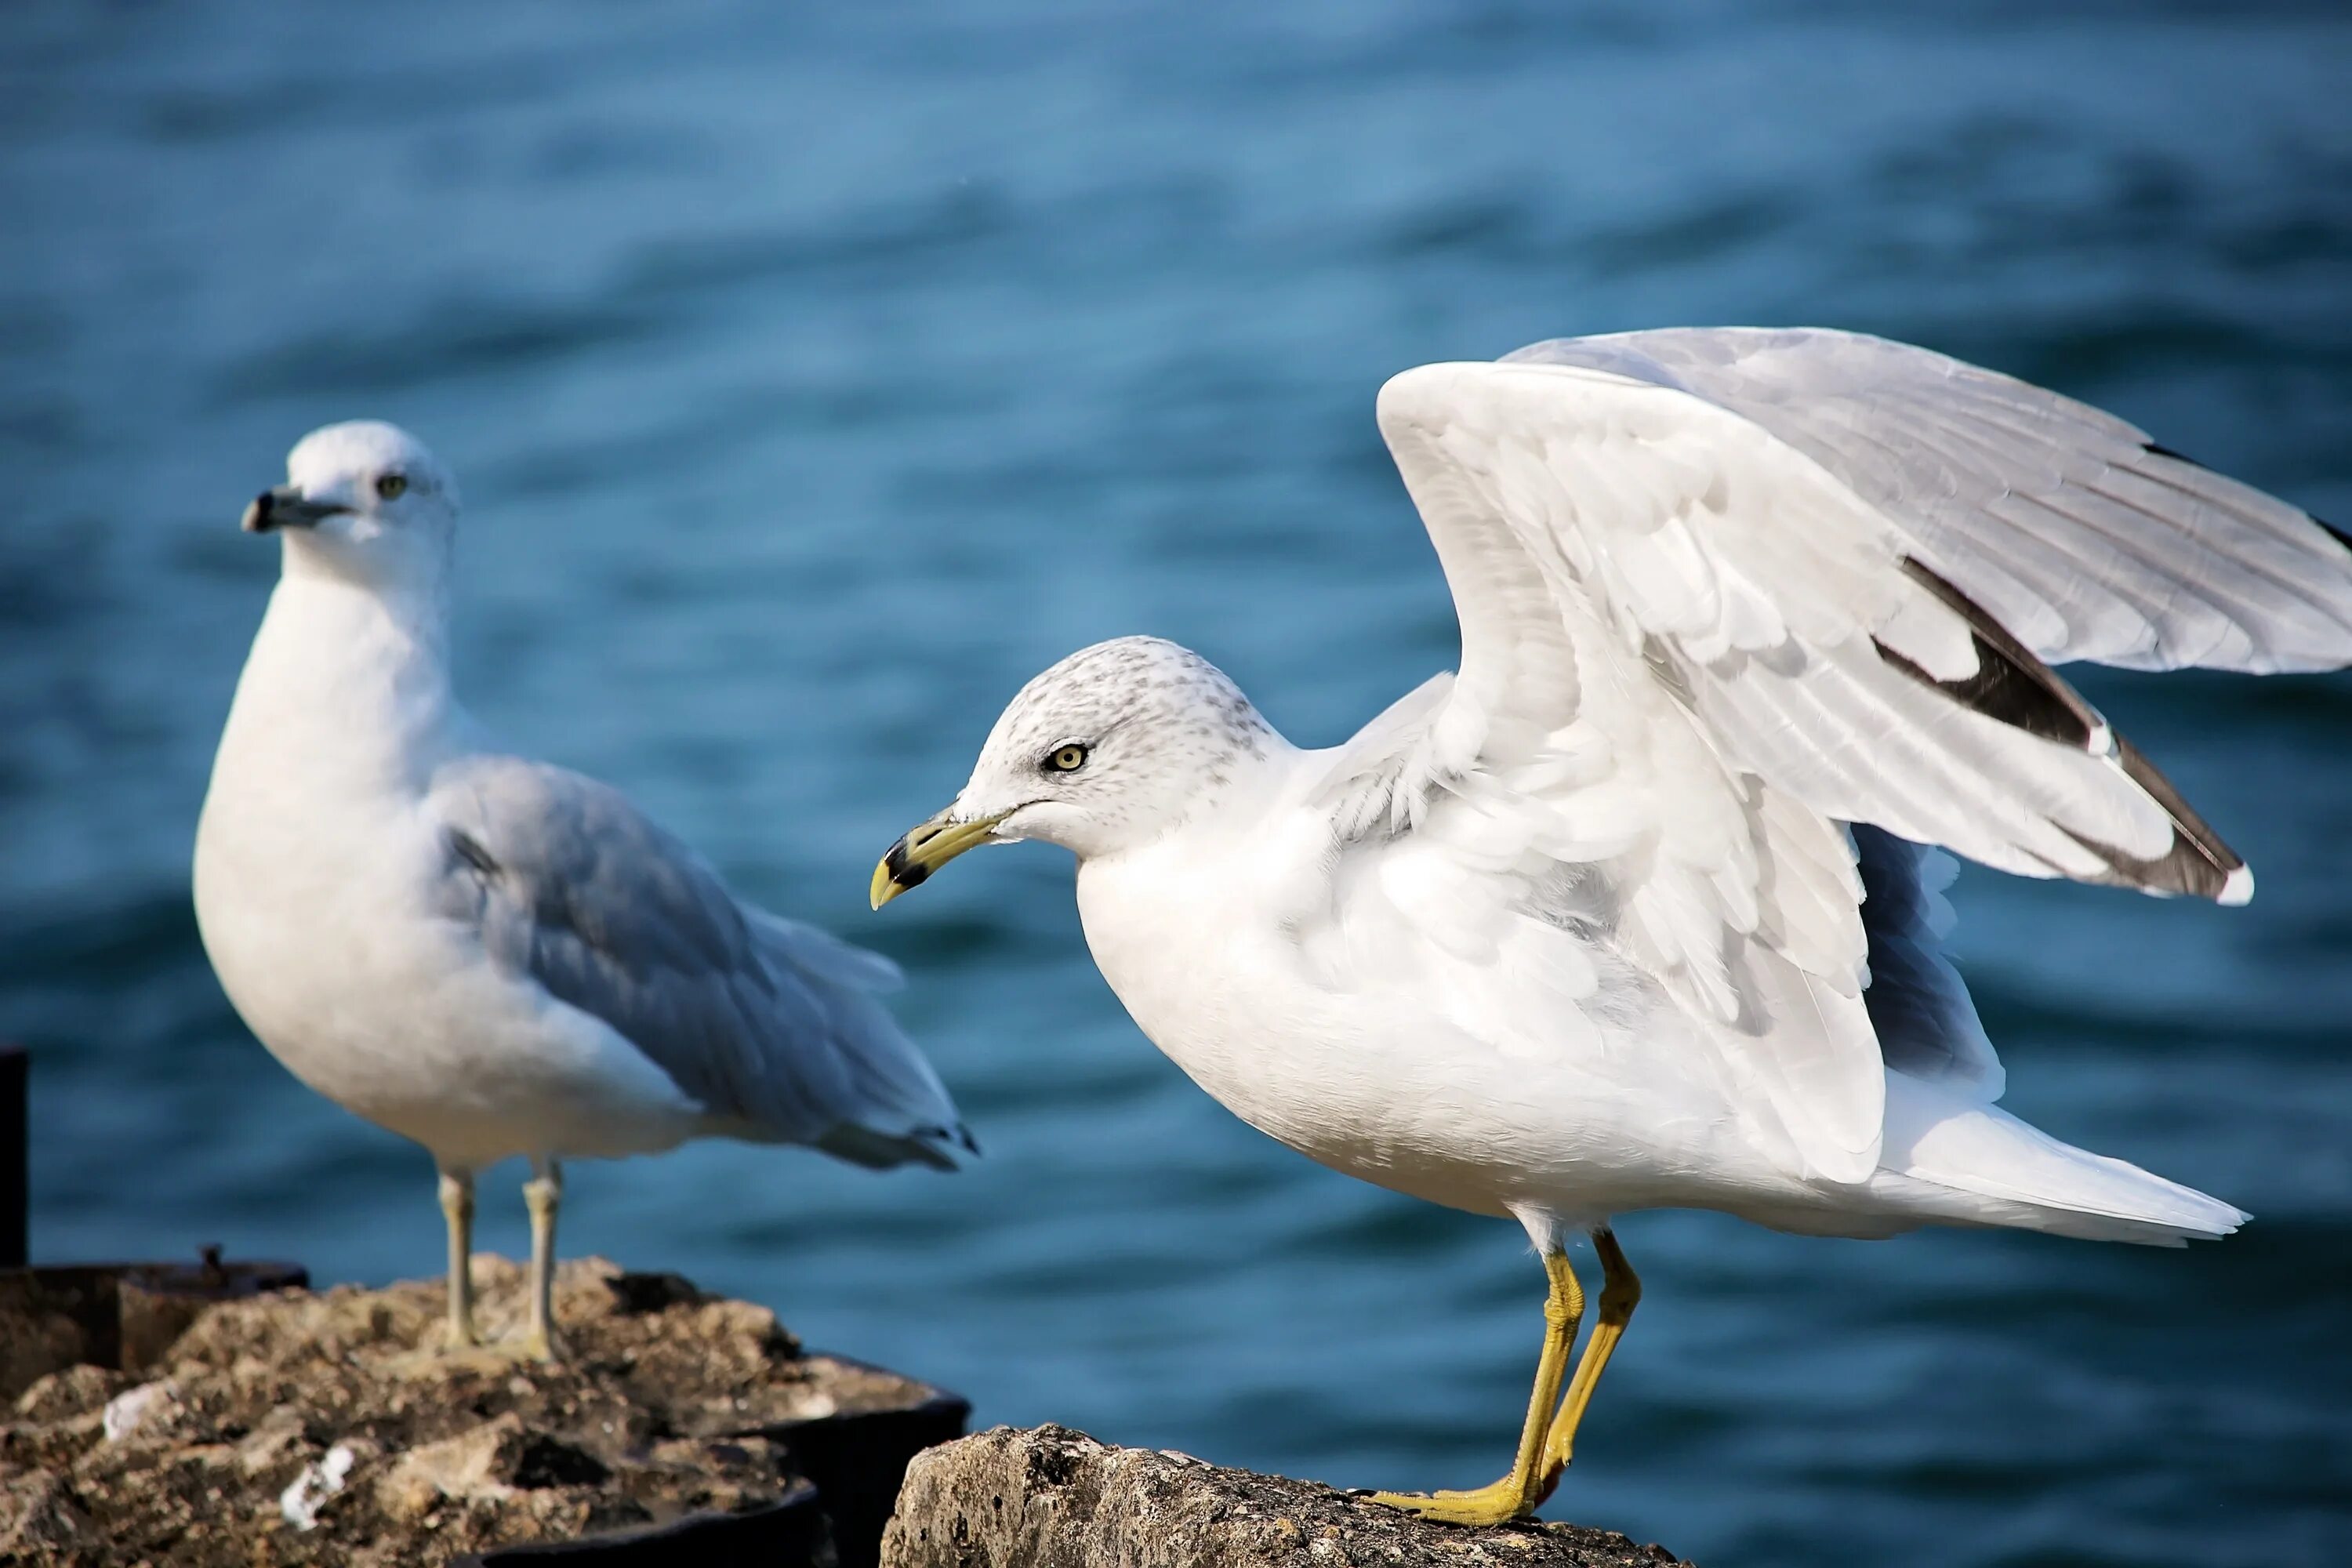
[[373, 657]]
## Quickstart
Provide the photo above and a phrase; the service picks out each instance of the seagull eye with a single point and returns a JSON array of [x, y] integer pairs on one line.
[[1067, 759], [391, 487]]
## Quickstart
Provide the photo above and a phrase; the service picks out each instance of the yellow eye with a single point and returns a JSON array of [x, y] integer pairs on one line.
[[1069, 759], [391, 487]]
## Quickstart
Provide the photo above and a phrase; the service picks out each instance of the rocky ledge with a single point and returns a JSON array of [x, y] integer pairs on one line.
[[1053, 1497], [297, 1429]]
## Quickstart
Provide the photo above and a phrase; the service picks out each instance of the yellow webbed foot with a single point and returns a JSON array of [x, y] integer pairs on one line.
[[1547, 1439], [1498, 1503]]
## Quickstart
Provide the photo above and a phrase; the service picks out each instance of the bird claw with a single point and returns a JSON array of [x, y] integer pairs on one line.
[[1501, 1503]]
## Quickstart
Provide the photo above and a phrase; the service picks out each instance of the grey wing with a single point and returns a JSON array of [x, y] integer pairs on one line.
[[2077, 533], [773, 1028]]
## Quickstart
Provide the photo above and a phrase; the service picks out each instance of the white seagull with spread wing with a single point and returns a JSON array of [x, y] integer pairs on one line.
[[1638, 910]]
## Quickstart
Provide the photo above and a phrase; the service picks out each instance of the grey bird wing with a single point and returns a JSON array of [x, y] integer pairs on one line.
[[771, 1025], [2079, 534]]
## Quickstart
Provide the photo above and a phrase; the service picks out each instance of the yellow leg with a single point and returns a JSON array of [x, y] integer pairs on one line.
[[1516, 1495], [1621, 1293], [457, 1208], [543, 1193]]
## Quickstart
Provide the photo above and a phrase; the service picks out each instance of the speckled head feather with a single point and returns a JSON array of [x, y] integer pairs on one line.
[[1156, 731]]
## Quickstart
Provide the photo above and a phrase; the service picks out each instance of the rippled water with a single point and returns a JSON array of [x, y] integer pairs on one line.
[[817, 378]]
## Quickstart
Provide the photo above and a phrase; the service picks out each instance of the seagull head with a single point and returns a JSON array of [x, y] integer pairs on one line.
[[1107, 750], [365, 499]]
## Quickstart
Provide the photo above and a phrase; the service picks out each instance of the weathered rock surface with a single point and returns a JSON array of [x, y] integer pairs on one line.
[[303, 1428], [124, 1315], [1053, 1497]]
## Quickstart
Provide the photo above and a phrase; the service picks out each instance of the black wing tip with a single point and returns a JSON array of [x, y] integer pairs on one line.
[[931, 1144], [2198, 863], [2158, 448], [2189, 869], [2013, 687]]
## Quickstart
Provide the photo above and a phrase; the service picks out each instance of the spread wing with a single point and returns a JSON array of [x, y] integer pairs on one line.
[[771, 1025], [2071, 528], [1723, 592]]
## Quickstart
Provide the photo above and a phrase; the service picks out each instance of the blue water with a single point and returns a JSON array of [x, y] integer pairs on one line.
[[818, 373]]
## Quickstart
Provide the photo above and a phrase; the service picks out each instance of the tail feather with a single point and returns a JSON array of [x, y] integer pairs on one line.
[[2001, 1171], [885, 1105]]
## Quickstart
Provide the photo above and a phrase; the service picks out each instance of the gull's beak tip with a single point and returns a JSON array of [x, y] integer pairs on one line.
[[895, 873], [923, 851], [285, 506]]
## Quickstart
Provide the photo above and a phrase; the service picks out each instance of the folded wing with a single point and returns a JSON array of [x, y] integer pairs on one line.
[[773, 1027]]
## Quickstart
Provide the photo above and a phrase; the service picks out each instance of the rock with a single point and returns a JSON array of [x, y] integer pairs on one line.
[[124, 1316], [492, 1461], [74, 1391], [1053, 1497], [299, 1428], [272, 1445], [39, 1516]]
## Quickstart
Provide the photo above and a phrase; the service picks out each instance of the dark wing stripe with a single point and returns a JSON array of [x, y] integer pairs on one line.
[[468, 849], [2013, 687], [2010, 685]]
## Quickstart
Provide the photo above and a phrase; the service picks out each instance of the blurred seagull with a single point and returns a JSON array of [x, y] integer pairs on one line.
[[1637, 910], [482, 952]]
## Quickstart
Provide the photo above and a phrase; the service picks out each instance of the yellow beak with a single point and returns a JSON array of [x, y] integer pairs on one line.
[[925, 849]]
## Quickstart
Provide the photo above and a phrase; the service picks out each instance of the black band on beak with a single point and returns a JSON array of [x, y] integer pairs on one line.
[[903, 873], [926, 847], [283, 506]]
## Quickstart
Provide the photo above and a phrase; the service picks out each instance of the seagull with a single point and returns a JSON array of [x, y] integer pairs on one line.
[[1643, 906], [483, 952]]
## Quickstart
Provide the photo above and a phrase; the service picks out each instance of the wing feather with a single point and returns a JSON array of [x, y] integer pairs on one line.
[[1722, 593], [2083, 537], [772, 1026]]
